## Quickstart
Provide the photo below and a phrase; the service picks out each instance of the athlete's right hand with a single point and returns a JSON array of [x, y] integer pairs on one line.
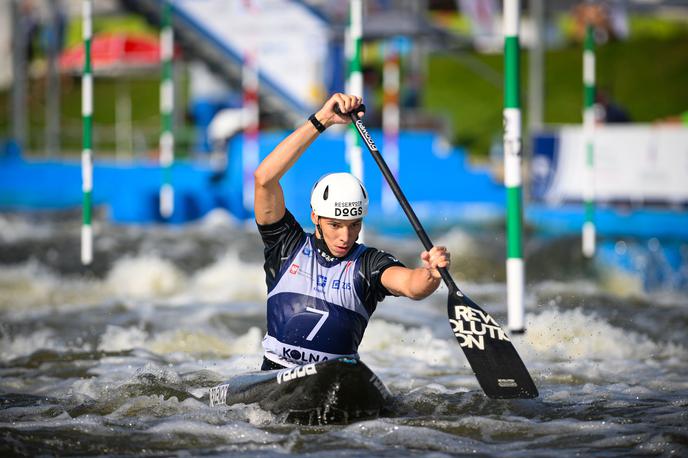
[[347, 103]]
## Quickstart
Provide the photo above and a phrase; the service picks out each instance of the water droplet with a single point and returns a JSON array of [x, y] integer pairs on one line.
[[620, 248]]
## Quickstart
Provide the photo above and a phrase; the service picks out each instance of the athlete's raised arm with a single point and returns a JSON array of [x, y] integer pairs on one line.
[[269, 199]]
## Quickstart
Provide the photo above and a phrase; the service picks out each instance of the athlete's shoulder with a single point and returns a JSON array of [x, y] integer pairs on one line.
[[377, 255], [286, 223], [373, 262]]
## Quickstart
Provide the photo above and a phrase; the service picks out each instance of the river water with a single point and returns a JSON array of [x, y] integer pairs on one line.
[[115, 360]]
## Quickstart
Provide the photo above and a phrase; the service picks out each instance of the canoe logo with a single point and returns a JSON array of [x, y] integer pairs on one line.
[[471, 326], [297, 372], [366, 136], [218, 395]]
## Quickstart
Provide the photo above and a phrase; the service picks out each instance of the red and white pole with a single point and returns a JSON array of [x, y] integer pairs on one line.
[[250, 147], [390, 121]]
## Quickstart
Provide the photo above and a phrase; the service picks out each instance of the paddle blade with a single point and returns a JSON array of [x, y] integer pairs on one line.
[[492, 356]]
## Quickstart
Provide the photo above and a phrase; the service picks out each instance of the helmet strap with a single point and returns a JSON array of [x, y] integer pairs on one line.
[[319, 229], [321, 246]]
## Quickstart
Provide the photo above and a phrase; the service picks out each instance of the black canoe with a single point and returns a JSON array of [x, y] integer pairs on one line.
[[340, 390]]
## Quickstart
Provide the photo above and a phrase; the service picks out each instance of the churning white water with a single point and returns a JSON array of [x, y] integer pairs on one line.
[[116, 360]]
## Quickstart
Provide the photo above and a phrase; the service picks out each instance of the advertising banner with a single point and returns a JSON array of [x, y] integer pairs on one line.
[[635, 164]]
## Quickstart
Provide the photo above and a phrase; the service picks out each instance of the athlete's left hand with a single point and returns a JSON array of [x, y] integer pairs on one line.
[[438, 256]]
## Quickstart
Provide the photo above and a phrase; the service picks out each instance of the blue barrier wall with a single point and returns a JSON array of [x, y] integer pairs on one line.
[[129, 191], [436, 180]]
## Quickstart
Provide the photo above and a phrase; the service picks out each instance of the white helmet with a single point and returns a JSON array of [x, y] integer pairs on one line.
[[340, 196]]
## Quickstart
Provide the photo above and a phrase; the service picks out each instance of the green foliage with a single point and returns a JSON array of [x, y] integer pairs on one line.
[[143, 92], [647, 77], [650, 28], [471, 101]]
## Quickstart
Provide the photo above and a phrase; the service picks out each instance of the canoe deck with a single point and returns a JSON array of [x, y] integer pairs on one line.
[[340, 390]]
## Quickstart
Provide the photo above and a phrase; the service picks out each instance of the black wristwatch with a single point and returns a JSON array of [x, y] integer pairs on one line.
[[318, 125]]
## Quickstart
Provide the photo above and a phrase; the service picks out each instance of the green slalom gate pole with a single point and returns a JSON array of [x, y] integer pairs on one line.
[[588, 235], [354, 85], [166, 111], [87, 125], [515, 266]]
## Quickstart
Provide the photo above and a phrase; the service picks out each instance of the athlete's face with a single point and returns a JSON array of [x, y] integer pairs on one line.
[[339, 234]]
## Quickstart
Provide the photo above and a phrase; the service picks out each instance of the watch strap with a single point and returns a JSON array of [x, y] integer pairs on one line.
[[318, 125]]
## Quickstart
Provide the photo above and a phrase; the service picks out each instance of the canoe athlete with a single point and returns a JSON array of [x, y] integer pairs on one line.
[[323, 286]]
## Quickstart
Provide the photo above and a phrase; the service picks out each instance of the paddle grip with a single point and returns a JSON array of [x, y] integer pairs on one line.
[[358, 109]]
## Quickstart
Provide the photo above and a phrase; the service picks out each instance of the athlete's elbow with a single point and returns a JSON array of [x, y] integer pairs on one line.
[[410, 291], [261, 178], [423, 288], [416, 284], [419, 292]]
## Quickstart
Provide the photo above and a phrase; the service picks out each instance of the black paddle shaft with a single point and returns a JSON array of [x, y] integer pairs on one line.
[[494, 360], [413, 219]]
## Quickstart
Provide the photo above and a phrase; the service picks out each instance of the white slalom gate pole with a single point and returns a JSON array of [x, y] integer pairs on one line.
[[515, 268], [87, 124], [390, 121], [588, 234], [354, 85], [166, 111]]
